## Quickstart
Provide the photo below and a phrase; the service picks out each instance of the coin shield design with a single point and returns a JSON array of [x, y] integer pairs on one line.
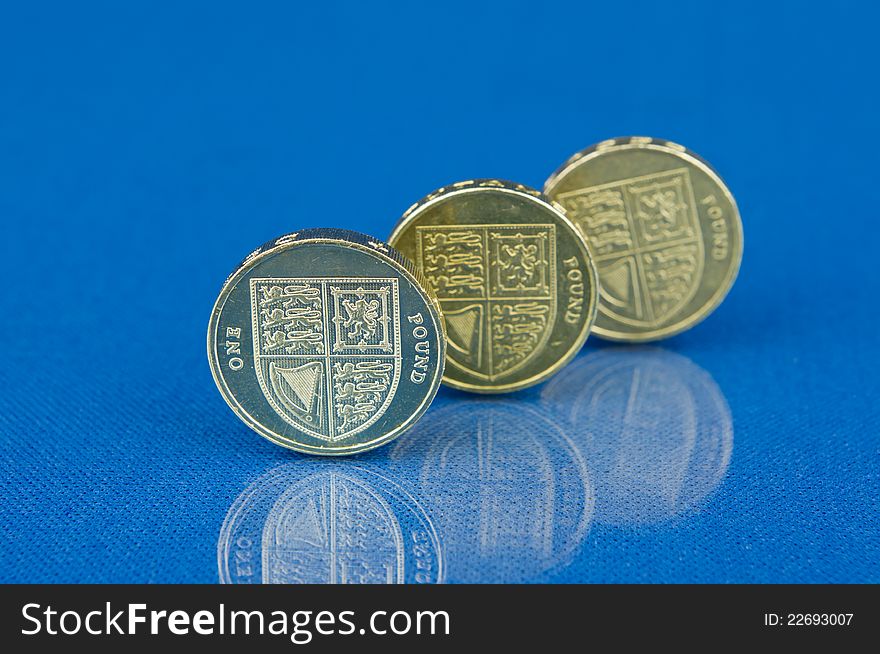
[[327, 351], [327, 342], [514, 276], [647, 242], [496, 286], [664, 228]]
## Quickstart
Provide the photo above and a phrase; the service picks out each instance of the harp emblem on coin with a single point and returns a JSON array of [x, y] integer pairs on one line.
[[497, 287], [645, 236], [327, 351]]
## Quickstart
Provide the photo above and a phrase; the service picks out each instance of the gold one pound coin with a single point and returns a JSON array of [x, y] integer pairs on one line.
[[663, 227], [326, 341], [515, 280]]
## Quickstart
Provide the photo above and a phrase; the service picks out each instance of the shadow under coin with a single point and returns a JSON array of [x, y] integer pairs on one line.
[[508, 491], [654, 428], [315, 521]]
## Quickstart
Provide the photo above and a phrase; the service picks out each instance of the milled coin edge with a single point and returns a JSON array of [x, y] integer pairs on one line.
[[676, 149], [347, 238], [520, 190]]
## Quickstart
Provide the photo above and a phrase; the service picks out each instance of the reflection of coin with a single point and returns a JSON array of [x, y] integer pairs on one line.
[[515, 279], [324, 522], [509, 492], [326, 342], [663, 227], [653, 427]]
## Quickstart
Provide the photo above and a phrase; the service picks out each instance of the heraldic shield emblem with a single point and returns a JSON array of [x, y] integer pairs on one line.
[[327, 350], [334, 528], [497, 288], [645, 235]]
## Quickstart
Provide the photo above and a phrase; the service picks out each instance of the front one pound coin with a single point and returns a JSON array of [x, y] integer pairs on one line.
[[327, 342], [515, 279]]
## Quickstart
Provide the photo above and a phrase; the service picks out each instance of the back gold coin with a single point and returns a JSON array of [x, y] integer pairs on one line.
[[515, 280], [664, 229]]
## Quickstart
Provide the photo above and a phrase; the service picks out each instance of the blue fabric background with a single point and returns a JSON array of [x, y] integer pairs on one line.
[[145, 150]]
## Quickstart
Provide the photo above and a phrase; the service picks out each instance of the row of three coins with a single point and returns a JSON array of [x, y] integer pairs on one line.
[[330, 342]]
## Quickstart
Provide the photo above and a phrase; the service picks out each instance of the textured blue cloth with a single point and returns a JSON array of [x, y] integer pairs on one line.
[[145, 150]]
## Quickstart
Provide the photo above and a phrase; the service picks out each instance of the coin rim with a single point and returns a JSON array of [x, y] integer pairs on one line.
[[519, 190], [675, 149], [291, 241]]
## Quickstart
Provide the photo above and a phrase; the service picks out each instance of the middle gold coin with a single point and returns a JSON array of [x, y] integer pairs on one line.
[[515, 279]]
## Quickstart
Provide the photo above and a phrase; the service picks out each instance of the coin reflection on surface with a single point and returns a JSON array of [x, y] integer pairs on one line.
[[308, 522], [508, 491], [653, 426]]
